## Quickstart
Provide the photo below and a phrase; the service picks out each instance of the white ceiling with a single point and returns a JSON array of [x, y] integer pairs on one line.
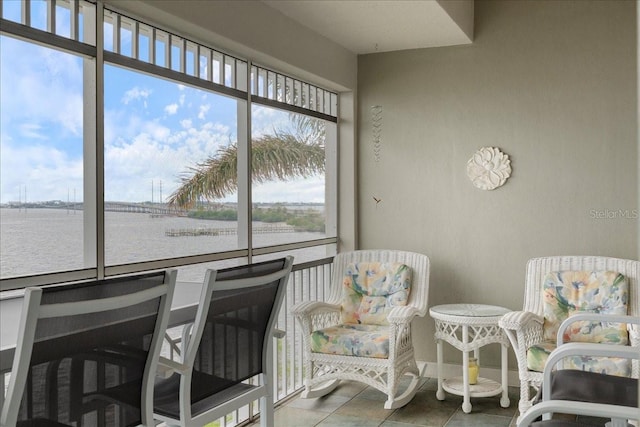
[[369, 26]]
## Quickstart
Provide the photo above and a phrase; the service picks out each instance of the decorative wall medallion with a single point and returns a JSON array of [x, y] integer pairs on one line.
[[488, 168]]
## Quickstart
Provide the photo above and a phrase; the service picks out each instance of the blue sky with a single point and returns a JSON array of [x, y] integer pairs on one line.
[[154, 131]]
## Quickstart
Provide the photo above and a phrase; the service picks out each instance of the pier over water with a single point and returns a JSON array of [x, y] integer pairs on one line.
[[154, 209]]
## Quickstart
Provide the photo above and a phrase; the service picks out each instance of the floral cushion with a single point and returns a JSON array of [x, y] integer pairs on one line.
[[371, 289], [352, 340], [568, 292], [538, 354]]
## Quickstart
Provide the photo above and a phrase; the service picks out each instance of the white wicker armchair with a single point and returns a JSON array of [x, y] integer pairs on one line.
[[324, 371], [525, 328]]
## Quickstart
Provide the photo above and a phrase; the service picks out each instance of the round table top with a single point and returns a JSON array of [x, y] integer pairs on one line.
[[469, 310]]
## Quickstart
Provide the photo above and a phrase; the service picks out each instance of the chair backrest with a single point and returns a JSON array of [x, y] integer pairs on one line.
[[372, 289], [418, 263], [569, 292], [61, 325], [538, 268], [233, 331]]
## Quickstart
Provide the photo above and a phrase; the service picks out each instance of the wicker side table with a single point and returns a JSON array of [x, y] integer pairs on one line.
[[468, 327]]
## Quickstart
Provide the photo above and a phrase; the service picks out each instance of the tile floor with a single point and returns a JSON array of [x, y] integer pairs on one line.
[[355, 405]]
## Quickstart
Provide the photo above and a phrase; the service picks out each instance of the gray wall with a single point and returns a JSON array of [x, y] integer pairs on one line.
[[552, 84]]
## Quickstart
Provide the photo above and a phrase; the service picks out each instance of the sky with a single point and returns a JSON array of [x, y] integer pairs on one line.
[[155, 130]]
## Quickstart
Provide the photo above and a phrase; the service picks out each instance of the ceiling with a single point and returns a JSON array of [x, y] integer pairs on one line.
[[370, 26]]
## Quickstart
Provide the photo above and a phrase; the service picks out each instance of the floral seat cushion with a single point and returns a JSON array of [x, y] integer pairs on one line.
[[352, 340], [569, 292], [372, 289]]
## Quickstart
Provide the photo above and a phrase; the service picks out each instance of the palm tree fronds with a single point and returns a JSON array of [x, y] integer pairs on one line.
[[282, 156]]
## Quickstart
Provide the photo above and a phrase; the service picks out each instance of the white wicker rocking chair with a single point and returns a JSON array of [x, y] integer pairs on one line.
[[525, 328], [324, 370]]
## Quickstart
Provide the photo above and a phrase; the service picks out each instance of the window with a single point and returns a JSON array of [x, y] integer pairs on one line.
[[42, 160], [156, 133], [291, 153], [125, 148]]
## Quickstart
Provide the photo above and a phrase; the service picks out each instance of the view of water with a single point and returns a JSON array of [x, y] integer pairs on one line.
[[47, 240]]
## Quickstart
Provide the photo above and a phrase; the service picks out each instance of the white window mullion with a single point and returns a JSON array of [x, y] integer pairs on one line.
[[223, 70], [51, 16], [244, 175], [305, 95], [135, 36], [116, 34], [75, 16], [94, 147], [25, 10], [183, 55], [196, 61], [152, 46]]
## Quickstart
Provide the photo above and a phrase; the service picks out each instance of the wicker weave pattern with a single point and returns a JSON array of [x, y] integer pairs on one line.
[[323, 371], [480, 334], [524, 328]]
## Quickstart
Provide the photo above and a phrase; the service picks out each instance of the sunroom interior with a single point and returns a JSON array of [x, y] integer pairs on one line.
[[553, 85]]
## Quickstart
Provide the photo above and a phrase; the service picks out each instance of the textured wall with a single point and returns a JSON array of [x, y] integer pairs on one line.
[[553, 84]]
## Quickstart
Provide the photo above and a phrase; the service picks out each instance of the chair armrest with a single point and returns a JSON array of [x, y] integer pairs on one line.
[[308, 308], [578, 408], [167, 367], [402, 314], [517, 320]]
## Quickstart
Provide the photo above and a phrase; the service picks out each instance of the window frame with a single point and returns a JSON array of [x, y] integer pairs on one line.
[[92, 49]]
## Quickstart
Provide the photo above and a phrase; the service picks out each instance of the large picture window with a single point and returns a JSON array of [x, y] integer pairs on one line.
[[42, 216], [289, 154], [156, 133], [125, 147]]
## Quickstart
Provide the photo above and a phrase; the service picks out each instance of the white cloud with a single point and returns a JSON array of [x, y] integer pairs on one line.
[[32, 130], [156, 152], [135, 94], [203, 111], [43, 87], [171, 109], [265, 120], [45, 172]]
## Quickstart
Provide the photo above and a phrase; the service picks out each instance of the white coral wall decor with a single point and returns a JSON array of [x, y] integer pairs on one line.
[[488, 168]]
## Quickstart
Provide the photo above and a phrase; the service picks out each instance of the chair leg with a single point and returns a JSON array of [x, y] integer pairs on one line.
[[320, 390], [394, 402], [525, 401], [266, 411]]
